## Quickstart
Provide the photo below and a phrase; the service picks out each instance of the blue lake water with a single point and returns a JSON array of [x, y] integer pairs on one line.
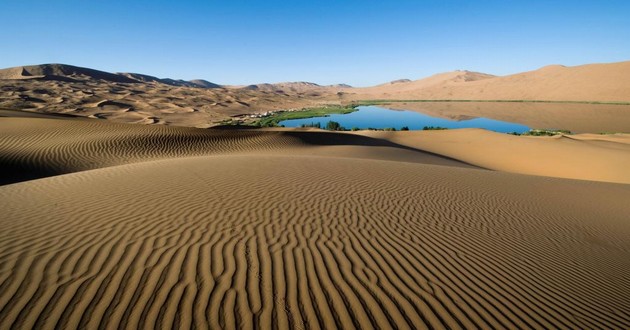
[[376, 117]]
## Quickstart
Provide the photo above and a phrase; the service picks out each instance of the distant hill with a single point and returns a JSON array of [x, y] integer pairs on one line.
[[440, 79], [340, 86], [399, 81], [60, 72], [64, 72], [591, 82], [204, 83], [295, 87], [140, 77]]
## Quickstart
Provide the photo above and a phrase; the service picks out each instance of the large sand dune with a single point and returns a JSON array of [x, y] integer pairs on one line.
[[166, 227], [607, 82]]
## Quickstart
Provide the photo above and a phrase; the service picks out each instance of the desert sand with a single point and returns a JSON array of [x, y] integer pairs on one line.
[[144, 99], [140, 226], [606, 82]]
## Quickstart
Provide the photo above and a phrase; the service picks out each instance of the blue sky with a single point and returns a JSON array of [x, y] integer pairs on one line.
[[357, 42]]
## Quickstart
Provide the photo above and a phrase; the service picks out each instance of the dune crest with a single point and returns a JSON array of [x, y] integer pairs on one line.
[[592, 82]]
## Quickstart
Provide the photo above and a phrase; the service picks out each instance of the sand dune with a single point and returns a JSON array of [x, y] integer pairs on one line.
[[134, 226], [45, 146], [583, 156], [59, 71], [440, 80], [592, 82], [59, 88], [171, 105], [312, 242], [40, 147]]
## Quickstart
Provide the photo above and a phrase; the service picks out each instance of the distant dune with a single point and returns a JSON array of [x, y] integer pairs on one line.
[[441, 80], [300, 87], [592, 82], [142, 226], [140, 98], [53, 71], [204, 83]]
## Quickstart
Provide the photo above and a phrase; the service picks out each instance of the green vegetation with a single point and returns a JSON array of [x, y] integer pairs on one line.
[[543, 132], [274, 119], [433, 128], [331, 126], [547, 132], [404, 128], [334, 126], [316, 125]]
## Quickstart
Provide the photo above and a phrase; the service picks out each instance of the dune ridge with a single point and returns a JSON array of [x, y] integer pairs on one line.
[[590, 82]]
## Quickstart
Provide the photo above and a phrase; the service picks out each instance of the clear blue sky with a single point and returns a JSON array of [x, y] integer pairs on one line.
[[356, 42]]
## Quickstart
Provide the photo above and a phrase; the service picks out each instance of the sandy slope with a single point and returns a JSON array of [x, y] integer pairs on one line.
[[306, 229], [39, 147], [439, 81], [312, 242], [584, 156], [591, 82]]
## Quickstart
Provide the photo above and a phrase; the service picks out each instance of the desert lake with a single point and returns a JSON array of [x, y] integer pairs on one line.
[[380, 118]]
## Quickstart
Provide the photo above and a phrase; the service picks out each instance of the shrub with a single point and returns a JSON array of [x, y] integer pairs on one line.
[[433, 128], [334, 126], [546, 132], [316, 125]]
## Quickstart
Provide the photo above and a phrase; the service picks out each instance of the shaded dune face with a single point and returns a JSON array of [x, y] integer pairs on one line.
[[262, 241], [32, 148]]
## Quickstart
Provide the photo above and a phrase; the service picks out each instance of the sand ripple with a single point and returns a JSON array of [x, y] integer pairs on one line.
[[259, 241]]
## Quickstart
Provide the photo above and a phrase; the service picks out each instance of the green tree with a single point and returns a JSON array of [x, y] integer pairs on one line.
[[333, 126]]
